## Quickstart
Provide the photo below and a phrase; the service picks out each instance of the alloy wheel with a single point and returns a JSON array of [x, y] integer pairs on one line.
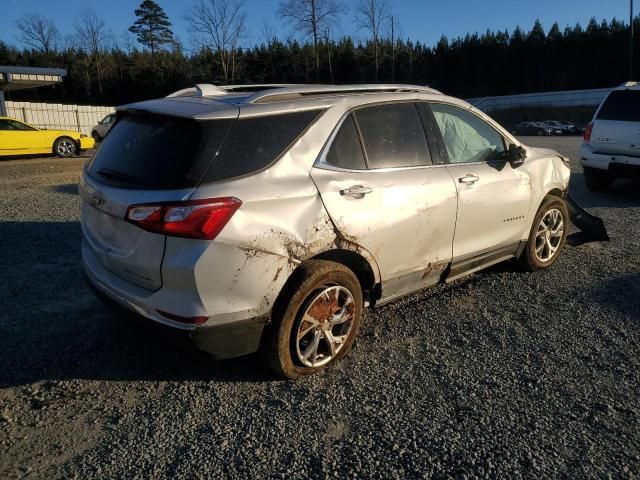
[[66, 147], [325, 326], [549, 235]]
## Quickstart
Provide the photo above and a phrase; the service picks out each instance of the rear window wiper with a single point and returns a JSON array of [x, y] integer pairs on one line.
[[116, 175]]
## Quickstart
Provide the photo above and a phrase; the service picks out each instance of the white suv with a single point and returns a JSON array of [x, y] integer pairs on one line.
[[270, 217], [611, 147]]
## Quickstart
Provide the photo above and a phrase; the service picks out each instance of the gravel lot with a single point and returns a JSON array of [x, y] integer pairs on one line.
[[503, 374]]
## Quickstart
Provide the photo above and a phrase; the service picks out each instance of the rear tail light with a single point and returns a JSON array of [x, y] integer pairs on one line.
[[587, 133], [203, 219]]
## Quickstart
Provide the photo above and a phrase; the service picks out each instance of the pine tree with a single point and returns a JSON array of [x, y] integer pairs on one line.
[[152, 26]]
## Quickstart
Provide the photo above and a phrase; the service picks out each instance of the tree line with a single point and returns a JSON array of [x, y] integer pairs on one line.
[[149, 62]]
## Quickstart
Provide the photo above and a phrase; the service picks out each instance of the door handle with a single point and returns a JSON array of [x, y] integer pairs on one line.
[[356, 191], [469, 179]]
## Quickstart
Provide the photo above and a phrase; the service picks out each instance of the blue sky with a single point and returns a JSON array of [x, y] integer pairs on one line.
[[424, 20]]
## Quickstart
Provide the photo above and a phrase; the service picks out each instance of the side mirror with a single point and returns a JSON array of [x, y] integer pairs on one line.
[[516, 155]]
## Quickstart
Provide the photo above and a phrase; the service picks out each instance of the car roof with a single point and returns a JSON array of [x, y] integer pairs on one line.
[[206, 101]]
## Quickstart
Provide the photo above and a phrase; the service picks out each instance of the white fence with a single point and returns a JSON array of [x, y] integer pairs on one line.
[[568, 98], [57, 116]]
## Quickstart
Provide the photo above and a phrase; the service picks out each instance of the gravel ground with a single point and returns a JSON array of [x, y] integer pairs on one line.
[[503, 374]]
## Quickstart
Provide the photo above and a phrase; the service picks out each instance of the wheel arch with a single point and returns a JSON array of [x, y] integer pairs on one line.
[[554, 192], [354, 261], [360, 266]]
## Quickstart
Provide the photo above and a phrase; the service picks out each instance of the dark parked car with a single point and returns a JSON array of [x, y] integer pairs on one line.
[[533, 128], [563, 128]]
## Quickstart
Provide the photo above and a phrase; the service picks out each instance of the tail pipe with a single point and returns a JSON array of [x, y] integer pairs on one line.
[[592, 227]]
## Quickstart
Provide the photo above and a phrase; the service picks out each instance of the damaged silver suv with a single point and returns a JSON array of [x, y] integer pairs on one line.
[[268, 217]]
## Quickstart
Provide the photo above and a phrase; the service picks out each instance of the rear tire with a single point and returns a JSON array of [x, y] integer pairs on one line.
[[547, 236], [315, 321], [65, 147], [597, 180]]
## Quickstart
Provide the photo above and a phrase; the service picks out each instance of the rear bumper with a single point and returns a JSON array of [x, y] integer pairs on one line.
[[222, 342], [221, 337], [619, 166], [86, 143]]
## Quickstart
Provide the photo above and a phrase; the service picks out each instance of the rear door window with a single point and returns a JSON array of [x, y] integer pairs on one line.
[[158, 152], [621, 105], [393, 136], [257, 142], [346, 150]]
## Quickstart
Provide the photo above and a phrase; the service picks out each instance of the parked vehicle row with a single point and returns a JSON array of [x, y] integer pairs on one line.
[[534, 128], [546, 128], [563, 128], [269, 218]]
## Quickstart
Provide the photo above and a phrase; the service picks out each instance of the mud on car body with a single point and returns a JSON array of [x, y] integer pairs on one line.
[[268, 218]]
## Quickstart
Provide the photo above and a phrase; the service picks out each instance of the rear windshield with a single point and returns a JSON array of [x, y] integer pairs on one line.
[[621, 105], [158, 152]]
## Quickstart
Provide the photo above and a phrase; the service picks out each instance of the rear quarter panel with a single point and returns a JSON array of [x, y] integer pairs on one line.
[[282, 222]]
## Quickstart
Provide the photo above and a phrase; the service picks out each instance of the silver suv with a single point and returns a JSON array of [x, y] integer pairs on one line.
[[611, 147], [268, 217]]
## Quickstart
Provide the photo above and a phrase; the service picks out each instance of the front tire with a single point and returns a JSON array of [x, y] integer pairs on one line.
[[65, 147], [597, 180], [547, 236], [316, 321], [96, 136]]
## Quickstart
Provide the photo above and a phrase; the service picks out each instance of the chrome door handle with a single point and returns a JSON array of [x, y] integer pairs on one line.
[[356, 191], [469, 179]]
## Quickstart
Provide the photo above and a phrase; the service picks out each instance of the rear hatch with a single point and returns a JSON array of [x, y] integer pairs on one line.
[[147, 157], [616, 128]]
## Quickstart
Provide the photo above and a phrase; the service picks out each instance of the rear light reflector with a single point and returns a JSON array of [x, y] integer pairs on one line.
[[203, 219], [587, 133], [186, 320]]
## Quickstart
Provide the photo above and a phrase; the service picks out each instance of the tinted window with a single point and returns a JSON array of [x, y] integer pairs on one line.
[[467, 137], [622, 105], [346, 151], [393, 136], [255, 143], [158, 152], [13, 125]]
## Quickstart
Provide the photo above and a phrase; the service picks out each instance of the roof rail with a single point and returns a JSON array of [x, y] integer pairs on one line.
[[200, 90], [275, 91], [256, 87]]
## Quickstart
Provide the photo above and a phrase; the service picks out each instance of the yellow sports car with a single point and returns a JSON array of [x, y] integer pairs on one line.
[[19, 138]]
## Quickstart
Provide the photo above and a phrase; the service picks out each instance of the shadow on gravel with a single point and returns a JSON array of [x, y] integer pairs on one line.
[[53, 327], [623, 193], [70, 189], [620, 293]]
